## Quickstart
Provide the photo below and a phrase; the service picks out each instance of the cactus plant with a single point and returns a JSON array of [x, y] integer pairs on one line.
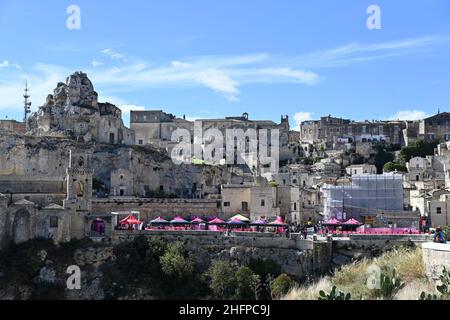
[[335, 294], [389, 285]]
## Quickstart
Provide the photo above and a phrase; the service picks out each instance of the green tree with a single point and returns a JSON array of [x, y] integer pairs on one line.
[[420, 148], [392, 166], [222, 280], [281, 286], [244, 277], [176, 263]]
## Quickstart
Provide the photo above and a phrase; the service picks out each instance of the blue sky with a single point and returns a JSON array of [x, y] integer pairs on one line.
[[213, 58]]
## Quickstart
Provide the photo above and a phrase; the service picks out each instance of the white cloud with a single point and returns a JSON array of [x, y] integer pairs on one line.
[[7, 64], [357, 52], [96, 63], [130, 107], [180, 64], [219, 82], [42, 79], [222, 74], [301, 116], [409, 115], [114, 55]]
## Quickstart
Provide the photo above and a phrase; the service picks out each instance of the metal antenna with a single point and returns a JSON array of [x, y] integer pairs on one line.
[[27, 104]]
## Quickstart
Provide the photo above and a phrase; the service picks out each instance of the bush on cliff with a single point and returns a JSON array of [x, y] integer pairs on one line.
[[281, 286], [229, 282]]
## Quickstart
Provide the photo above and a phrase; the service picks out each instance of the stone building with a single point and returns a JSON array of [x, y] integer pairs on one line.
[[356, 169], [330, 130], [122, 183], [435, 127], [306, 204], [22, 219], [156, 127], [251, 200], [13, 126], [425, 173], [433, 204]]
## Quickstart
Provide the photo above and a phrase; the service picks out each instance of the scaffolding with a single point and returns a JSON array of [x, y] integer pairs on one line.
[[367, 195]]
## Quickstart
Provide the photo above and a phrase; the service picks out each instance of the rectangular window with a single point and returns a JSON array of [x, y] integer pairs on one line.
[[141, 142], [244, 206], [226, 204], [53, 222], [438, 210], [263, 203]]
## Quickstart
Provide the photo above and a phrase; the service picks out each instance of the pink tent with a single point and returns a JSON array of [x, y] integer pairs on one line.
[[130, 220], [159, 220], [352, 222], [278, 221], [198, 220], [178, 220], [333, 221], [217, 221]]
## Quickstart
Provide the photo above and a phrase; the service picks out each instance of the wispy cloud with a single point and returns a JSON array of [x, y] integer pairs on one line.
[[42, 79], [114, 55], [356, 52], [96, 63], [7, 64], [223, 74], [409, 115]]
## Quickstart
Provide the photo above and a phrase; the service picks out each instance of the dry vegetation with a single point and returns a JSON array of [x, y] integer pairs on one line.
[[353, 277]]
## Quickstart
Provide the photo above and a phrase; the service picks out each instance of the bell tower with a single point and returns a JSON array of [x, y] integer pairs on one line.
[[79, 181], [79, 190]]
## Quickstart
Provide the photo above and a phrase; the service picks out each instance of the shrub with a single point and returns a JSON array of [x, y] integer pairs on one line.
[[244, 277], [281, 286], [222, 280], [175, 262], [446, 230], [420, 148], [392, 166]]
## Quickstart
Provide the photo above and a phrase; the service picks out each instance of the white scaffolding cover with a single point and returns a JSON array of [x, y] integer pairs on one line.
[[366, 195]]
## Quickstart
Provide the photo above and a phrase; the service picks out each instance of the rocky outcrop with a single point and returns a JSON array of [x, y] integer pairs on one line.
[[73, 111]]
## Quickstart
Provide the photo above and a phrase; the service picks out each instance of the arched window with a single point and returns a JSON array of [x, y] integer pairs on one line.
[[79, 189]]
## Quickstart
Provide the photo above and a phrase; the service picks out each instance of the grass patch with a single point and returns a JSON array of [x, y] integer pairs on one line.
[[353, 277]]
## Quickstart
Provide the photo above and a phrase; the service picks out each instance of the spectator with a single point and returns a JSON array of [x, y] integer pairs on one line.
[[440, 236]]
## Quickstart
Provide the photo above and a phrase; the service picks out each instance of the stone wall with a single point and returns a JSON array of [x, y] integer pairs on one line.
[[298, 257], [152, 208], [435, 257]]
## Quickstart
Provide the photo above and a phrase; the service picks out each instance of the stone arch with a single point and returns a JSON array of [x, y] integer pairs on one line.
[[21, 226], [98, 227]]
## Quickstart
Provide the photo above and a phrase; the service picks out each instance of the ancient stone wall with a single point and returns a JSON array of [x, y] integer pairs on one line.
[[436, 256], [298, 257], [152, 208]]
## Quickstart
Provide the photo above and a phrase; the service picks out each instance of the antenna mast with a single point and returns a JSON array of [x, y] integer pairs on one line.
[[27, 103]]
